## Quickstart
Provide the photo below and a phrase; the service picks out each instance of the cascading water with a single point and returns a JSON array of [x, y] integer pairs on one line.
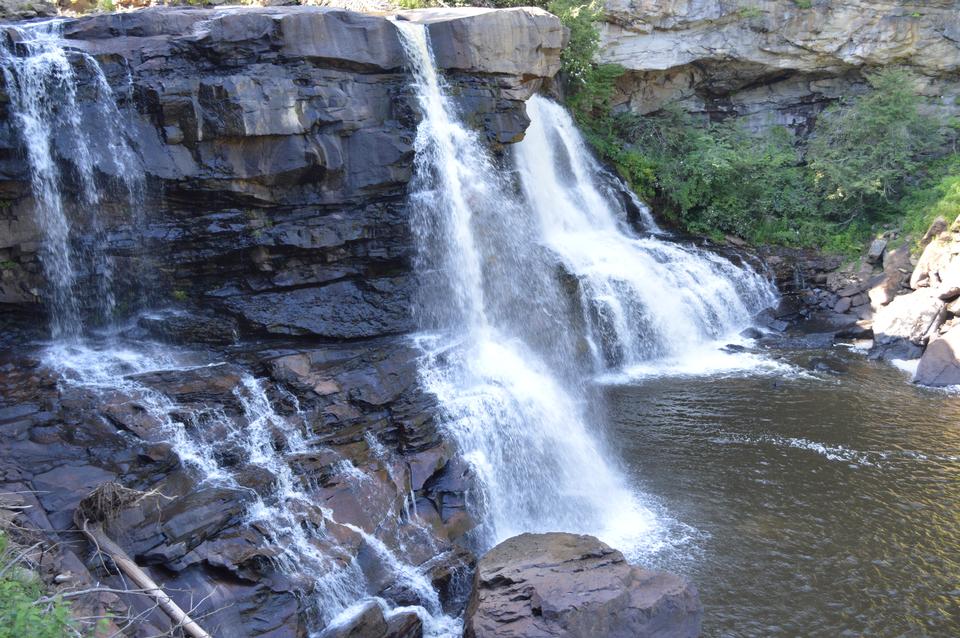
[[79, 157], [645, 298], [41, 79], [500, 359]]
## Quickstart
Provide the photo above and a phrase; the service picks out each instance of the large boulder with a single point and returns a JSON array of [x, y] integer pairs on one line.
[[939, 264], [574, 586], [940, 363], [904, 326]]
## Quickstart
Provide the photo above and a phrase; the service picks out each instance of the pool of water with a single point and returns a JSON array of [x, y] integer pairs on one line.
[[822, 501]]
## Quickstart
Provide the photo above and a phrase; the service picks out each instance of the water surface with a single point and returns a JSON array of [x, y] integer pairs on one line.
[[822, 503]]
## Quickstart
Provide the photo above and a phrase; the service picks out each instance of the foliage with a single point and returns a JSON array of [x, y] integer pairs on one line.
[[719, 178], [20, 613], [863, 151], [722, 178], [749, 13], [937, 196], [107, 6], [414, 4]]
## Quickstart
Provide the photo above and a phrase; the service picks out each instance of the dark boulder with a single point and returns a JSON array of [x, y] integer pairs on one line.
[[574, 586]]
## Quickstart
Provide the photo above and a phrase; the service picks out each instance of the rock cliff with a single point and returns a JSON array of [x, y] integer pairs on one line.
[[268, 238], [777, 62]]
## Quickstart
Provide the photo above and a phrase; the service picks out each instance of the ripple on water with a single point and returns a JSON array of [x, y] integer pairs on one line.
[[824, 504]]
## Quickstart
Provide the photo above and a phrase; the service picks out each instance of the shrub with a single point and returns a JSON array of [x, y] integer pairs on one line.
[[20, 613], [937, 196], [863, 151]]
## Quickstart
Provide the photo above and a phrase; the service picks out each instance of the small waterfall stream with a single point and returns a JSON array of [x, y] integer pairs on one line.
[[645, 298], [39, 72]]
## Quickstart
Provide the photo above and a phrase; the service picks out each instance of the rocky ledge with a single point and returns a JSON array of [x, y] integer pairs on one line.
[[276, 145], [269, 241], [573, 586], [776, 62]]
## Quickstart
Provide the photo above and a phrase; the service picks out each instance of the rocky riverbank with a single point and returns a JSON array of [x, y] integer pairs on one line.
[[898, 300]]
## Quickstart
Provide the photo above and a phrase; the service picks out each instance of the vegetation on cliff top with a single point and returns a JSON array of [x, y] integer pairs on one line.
[[871, 161]]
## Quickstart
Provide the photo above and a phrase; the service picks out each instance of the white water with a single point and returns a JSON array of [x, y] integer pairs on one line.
[[288, 515], [645, 299], [509, 340], [523, 424], [42, 82]]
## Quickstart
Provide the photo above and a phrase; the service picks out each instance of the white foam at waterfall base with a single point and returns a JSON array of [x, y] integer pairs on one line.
[[649, 302]]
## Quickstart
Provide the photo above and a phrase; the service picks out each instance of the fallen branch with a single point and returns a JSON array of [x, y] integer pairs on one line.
[[126, 565]]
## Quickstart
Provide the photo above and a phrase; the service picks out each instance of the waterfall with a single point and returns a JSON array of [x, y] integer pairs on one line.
[[645, 298], [527, 294], [41, 79], [500, 356]]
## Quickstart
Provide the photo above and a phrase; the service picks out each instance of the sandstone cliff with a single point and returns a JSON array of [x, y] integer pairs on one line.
[[777, 62]]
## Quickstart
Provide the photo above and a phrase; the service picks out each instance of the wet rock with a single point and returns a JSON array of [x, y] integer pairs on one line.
[[405, 625], [366, 622], [940, 363], [342, 310], [181, 327], [205, 385], [575, 587]]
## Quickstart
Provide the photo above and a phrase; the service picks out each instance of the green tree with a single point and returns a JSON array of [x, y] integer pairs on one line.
[[864, 150]]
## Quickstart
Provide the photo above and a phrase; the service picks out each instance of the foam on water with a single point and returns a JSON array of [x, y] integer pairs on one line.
[[648, 302]]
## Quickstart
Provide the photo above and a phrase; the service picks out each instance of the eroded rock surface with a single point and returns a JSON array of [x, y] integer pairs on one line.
[[271, 242], [777, 62], [574, 586], [276, 144]]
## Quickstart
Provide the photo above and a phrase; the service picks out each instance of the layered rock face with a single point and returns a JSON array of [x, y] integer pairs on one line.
[[776, 62], [277, 145], [574, 586], [270, 240]]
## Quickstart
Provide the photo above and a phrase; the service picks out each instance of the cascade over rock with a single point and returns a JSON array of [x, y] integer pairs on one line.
[[776, 62], [280, 141], [234, 221]]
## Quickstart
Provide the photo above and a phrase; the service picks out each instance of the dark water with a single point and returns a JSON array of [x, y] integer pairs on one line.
[[824, 504]]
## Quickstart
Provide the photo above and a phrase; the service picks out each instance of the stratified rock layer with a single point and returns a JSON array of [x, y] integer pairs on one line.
[[277, 144], [777, 62], [574, 586], [272, 240]]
